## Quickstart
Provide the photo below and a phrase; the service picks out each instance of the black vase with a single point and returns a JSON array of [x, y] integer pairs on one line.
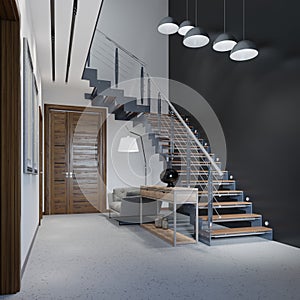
[[169, 176]]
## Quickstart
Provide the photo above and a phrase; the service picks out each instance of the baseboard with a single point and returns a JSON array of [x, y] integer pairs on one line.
[[29, 252]]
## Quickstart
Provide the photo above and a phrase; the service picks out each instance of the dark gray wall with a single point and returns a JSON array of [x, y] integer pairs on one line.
[[257, 102]]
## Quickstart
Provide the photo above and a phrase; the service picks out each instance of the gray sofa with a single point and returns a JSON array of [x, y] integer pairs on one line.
[[125, 202]]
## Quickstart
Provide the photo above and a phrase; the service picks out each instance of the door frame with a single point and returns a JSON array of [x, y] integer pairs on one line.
[[10, 148], [103, 159], [41, 167]]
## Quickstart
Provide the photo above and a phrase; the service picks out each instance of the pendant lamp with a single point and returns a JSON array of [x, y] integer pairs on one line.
[[186, 25], [225, 41], [167, 26], [244, 50], [196, 37]]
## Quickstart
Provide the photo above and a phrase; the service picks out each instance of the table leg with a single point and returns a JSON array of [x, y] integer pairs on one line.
[[196, 223], [141, 210], [175, 225]]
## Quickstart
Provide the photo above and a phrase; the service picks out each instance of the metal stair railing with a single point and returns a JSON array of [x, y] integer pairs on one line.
[[116, 64]]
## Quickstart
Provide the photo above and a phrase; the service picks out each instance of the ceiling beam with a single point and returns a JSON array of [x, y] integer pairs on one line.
[[71, 39], [52, 14]]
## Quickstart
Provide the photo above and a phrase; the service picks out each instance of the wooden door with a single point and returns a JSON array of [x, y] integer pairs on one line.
[[84, 162], [76, 162]]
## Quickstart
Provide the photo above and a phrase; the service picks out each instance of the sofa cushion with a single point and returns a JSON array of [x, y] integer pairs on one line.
[[116, 205], [120, 193]]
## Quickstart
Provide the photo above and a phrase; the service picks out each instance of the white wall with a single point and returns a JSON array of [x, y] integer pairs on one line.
[[29, 183]]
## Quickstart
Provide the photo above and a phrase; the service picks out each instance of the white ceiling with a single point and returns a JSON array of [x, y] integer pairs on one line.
[[84, 25]]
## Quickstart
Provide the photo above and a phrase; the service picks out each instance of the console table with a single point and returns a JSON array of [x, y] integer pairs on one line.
[[175, 196]]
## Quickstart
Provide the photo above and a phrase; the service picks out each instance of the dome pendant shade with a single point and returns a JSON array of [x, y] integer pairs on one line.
[[167, 26], [244, 50], [196, 38], [224, 42], [184, 27]]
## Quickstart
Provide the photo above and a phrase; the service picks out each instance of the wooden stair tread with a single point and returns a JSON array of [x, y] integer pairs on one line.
[[221, 192], [167, 235], [195, 171], [214, 181], [240, 230], [231, 217], [225, 203]]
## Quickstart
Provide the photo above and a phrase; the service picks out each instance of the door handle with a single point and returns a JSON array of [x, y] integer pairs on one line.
[[67, 174]]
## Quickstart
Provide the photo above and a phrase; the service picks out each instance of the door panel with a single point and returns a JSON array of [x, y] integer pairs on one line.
[[59, 152], [84, 160]]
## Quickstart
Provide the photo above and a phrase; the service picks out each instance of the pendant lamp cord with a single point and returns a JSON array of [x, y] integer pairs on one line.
[[187, 9], [196, 16], [244, 17], [224, 16]]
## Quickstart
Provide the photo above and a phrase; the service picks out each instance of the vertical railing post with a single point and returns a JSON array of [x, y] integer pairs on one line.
[[172, 146], [149, 91], [116, 67], [159, 112], [142, 87], [210, 197], [188, 161]]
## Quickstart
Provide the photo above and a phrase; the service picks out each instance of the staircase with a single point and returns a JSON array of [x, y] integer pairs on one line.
[[224, 211]]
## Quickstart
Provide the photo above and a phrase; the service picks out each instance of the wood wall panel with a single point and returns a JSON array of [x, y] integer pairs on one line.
[[10, 174]]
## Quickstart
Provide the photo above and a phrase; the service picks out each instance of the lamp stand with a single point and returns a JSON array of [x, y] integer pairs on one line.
[[144, 155]]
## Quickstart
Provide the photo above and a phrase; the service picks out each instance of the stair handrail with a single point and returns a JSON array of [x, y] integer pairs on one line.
[[122, 48], [189, 131]]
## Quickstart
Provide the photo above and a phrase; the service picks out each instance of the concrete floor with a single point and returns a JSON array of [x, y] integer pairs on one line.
[[91, 257]]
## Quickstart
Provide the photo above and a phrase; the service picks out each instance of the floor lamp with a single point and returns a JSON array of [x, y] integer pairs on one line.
[[129, 144]]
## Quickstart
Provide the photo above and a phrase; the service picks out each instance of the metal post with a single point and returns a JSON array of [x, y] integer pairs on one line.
[[174, 220], [210, 202], [197, 219], [142, 85], [116, 67], [141, 210], [172, 138], [188, 161], [144, 155], [149, 91], [159, 113]]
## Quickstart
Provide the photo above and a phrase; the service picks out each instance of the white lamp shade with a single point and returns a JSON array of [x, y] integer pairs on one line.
[[128, 144], [243, 51], [184, 27], [224, 42], [167, 26], [196, 38]]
